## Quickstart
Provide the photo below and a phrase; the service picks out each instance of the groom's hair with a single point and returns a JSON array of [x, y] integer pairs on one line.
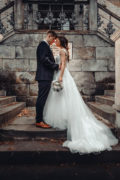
[[52, 33]]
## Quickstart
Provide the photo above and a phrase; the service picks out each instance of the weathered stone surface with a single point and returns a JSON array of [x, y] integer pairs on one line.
[[84, 53], [87, 89], [105, 52], [35, 39], [1, 64], [85, 82], [20, 89], [100, 87], [111, 64], [31, 101], [94, 65], [33, 89], [25, 77], [44, 34], [31, 39], [82, 76], [27, 40], [24, 40], [116, 38], [112, 5], [104, 76], [33, 65], [75, 65], [21, 69], [19, 52], [94, 40], [21, 98], [29, 52], [16, 65], [7, 76], [77, 40], [15, 40], [93, 15], [7, 51]]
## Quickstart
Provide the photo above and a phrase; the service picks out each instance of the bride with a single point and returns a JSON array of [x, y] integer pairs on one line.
[[66, 110]]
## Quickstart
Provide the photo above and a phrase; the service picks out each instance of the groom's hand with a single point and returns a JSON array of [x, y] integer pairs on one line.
[[59, 66]]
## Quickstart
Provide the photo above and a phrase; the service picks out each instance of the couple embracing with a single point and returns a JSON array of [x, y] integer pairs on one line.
[[66, 109]]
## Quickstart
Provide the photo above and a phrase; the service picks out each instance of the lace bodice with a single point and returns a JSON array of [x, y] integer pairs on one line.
[[58, 57]]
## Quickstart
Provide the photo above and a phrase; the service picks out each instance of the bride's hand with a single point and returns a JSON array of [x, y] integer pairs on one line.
[[60, 79]]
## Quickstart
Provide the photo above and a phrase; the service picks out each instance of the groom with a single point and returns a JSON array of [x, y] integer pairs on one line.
[[44, 75]]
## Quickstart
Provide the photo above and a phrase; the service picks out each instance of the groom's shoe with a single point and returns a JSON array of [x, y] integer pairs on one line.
[[42, 125]]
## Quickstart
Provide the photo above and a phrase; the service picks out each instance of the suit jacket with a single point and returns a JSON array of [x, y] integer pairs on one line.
[[45, 62]]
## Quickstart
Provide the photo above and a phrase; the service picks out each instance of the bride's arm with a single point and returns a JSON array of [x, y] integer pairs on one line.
[[62, 65]]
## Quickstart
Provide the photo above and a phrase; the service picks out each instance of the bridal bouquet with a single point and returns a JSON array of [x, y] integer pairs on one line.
[[57, 86]]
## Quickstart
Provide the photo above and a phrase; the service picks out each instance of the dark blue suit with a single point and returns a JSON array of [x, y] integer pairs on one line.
[[44, 75]]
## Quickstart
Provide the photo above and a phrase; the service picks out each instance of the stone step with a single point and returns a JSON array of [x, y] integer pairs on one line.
[[103, 110], [109, 86], [109, 124], [7, 99], [105, 121], [9, 111], [30, 132], [109, 100], [23, 127], [50, 151], [88, 98], [2, 93], [58, 171], [109, 93]]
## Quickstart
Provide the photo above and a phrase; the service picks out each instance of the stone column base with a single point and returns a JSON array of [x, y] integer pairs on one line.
[[117, 119]]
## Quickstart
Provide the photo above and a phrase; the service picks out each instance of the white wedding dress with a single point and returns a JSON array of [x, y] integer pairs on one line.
[[67, 110]]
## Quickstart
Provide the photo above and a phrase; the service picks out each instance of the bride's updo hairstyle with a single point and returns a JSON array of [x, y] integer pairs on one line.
[[64, 43]]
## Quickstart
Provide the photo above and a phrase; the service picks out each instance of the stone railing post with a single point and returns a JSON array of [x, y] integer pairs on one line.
[[116, 37], [19, 14], [93, 15]]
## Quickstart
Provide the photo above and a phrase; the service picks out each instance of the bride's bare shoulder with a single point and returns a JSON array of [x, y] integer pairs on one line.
[[63, 51]]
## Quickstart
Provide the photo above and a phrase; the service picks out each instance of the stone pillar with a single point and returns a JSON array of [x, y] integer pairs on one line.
[[35, 9], [19, 14], [79, 17], [93, 15], [116, 37]]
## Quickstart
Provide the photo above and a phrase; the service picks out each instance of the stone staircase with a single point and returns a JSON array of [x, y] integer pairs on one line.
[[22, 144], [102, 106], [22, 127], [9, 108]]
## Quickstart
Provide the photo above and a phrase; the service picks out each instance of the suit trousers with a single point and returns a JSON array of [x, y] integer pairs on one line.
[[43, 91]]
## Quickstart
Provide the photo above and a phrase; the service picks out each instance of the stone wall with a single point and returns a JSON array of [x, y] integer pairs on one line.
[[92, 65]]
